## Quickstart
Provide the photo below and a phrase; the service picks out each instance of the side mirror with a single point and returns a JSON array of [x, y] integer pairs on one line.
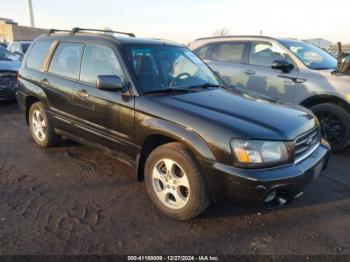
[[109, 83], [281, 64]]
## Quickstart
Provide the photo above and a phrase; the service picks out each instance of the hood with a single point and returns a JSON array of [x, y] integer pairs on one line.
[[10, 65], [332, 73], [242, 113]]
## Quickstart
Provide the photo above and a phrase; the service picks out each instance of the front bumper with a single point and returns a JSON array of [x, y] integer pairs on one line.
[[252, 186]]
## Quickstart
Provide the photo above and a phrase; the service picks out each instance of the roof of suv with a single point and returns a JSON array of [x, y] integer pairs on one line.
[[119, 40], [200, 41]]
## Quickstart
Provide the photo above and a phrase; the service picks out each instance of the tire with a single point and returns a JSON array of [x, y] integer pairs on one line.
[[40, 127], [178, 201], [335, 124]]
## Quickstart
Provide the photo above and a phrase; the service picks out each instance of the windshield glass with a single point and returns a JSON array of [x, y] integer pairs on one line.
[[6, 55], [312, 56], [166, 67]]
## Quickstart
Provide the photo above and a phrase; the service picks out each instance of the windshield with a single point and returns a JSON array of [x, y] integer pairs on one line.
[[312, 56], [6, 55], [166, 67]]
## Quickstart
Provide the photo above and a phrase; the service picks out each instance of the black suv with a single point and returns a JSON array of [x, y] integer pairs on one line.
[[156, 106]]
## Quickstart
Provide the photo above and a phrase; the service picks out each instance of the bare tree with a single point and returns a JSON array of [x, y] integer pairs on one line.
[[221, 31]]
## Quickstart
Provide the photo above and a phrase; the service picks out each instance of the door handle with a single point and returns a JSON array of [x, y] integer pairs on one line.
[[249, 72], [82, 93]]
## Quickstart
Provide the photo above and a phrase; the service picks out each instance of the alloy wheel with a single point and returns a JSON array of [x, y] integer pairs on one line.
[[39, 125], [332, 127], [170, 183]]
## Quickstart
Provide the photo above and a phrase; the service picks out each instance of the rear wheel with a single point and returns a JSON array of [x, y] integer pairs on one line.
[[40, 128], [335, 124], [175, 182]]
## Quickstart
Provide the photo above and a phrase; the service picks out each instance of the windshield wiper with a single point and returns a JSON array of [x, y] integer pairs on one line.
[[168, 90], [206, 85]]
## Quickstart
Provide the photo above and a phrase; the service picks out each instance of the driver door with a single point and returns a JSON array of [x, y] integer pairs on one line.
[[258, 76], [105, 117]]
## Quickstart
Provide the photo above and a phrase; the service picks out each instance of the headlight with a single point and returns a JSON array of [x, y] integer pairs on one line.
[[251, 153]]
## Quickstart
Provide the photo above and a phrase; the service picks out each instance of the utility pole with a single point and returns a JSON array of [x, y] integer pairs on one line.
[[30, 10]]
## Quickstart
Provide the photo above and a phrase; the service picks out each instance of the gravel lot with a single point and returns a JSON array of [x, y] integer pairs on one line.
[[75, 200]]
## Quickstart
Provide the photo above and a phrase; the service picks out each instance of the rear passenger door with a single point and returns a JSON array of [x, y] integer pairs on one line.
[[105, 117], [227, 59], [259, 77], [59, 81]]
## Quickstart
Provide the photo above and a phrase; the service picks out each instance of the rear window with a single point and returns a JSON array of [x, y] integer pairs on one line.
[[66, 60], [38, 53], [228, 52]]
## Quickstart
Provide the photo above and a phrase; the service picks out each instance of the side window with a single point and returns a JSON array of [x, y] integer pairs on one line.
[[37, 54], [13, 48], [229, 52], [17, 48], [263, 54], [66, 60], [99, 60], [203, 51]]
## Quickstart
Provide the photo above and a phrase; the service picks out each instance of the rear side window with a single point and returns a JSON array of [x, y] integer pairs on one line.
[[37, 54], [66, 60], [99, 60], [229, 52], [25, 47], [203, 52]]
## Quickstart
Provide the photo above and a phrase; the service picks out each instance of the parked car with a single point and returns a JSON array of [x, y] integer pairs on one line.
[[288, 70], [156, 106], [3, 44], [19, 47], [9, 66]]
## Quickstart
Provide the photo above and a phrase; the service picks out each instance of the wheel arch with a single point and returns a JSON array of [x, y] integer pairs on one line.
[[29, 101], [162, 132], [324, 98]]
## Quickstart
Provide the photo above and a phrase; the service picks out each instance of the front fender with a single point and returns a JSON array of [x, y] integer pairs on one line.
[[154, 126]]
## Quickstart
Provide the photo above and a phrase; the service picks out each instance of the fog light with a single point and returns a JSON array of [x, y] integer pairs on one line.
[[270, 196]]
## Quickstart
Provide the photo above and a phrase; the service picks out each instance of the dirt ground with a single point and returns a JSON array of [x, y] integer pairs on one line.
[[75, 200]]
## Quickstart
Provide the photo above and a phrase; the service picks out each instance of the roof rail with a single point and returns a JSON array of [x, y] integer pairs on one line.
[[51, 31], [77, 29], [233, 36]]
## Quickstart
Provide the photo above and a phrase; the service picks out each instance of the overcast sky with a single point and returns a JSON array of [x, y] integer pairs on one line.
[[186, 20]]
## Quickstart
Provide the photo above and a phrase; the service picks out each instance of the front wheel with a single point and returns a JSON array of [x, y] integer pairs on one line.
[[175, 182], [335, 124]]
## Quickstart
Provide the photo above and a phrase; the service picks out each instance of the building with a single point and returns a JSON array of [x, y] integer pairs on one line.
[[11, 31], [320, 42]]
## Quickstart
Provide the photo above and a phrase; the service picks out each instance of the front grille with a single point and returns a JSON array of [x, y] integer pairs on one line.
[[8, 80], [306, 143]]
